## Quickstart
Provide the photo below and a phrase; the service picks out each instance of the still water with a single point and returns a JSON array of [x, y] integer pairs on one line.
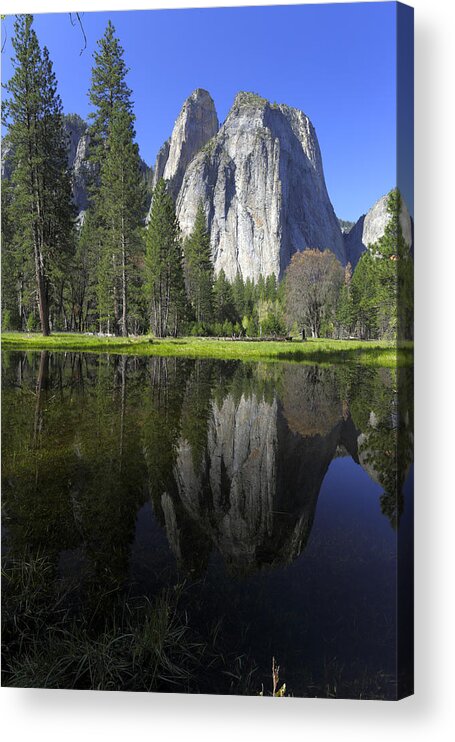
[[204, 517]]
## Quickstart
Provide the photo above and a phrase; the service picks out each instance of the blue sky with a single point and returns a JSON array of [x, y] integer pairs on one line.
[[335, 62]]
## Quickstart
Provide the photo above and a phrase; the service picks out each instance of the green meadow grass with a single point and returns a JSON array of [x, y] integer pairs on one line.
[[369, 353]]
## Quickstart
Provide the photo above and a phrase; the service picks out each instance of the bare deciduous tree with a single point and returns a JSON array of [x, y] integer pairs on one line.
[[312, 284]]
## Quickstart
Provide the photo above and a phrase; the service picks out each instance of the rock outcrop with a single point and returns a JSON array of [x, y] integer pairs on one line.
[[160, 162], [259, 178], [81, 168], [261, 182], [195, 125], [7, 160], [83, 171], [370, 228]]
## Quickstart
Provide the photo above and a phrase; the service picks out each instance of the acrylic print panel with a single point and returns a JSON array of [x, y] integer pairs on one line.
[[207, 235]]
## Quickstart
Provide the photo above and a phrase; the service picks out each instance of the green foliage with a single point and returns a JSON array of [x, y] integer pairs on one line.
[[108, 90], [345, 313], [32, 324], [6, 320], [15, 263], [246, 99], [39, 219], [382, 293], [164, 285], [120, 206], [224, 308], [364, 289], [273, 324], [199, 269]]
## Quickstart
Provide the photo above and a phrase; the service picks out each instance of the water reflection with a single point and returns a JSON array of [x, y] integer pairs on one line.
[[133, 474], [233, 456]]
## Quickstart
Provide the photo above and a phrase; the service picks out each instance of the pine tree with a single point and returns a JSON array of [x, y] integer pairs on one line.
[[271, 288], [223, 300], [260, 290], [41, 202], [164, 287], [109, 95], [58, 207], [11, 264], [108, 90], [394, 274], [120, 206], [364, 291], [238, 292], [84, 276], [199, 269], [345, 308]]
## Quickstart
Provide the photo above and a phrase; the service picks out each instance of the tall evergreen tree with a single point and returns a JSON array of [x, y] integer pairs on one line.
[[345, 309], [238, 293], [120, 206], [364, 292], [223, 300], [109, 95], [41, 202], [84, 275], [199, 269], [164, 286], [394, 273], [11, 265], [271, 288], [108, 90]]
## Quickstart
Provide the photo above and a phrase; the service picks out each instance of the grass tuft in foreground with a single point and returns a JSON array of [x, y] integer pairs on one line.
[[51, 641]]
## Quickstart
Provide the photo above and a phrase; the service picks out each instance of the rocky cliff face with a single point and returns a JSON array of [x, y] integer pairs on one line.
[[261, 182], [81, 167], [371, 226], [82, 170], [195, 125], [6, 163]]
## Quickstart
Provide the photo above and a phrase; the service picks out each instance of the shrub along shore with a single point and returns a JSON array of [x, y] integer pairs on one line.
[[369, 353]]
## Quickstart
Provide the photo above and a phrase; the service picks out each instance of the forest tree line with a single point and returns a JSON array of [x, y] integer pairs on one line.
[[116, 274]]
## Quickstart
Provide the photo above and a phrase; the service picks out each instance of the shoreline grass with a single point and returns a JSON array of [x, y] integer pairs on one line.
[[365, 352]]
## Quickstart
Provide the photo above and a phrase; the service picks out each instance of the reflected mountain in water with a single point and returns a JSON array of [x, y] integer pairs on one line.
[[249, 488], [232, 455]]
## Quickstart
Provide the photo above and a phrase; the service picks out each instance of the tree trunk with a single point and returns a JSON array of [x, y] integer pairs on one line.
[[124, 297], [42, 293], [115, 319], [19, 304]]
